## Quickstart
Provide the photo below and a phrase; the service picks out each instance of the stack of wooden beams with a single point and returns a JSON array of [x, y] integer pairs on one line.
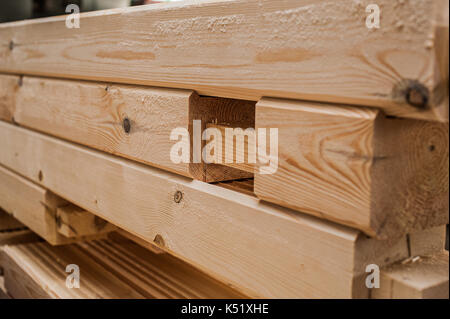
[[362, 160]]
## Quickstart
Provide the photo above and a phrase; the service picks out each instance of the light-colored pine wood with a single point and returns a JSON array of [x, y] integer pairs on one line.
[[8, 87], [94, 114], [247, 49], [107, 270], [73, 221], [270, 251], [228, 158], [422, 278], [385, 176], [34, 206]]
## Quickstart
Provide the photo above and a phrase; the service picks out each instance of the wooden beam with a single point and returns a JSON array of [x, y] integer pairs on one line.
[[298, 256], [419, 278], [248, 49], [107, 270], [130, 121], [355, 166], [35, 207]]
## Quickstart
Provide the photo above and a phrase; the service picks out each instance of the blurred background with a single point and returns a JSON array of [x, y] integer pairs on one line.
[[12, 10]]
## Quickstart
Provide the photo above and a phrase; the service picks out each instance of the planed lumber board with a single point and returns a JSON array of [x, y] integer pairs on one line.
[[423, 278], [131, 121], [355, 166], [248, 49], [269, 250], [35, 207]]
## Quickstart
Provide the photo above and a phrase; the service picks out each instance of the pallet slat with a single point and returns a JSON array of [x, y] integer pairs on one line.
[[248, 49]]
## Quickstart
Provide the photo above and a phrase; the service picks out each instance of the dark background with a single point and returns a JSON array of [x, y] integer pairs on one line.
[[12, 10]]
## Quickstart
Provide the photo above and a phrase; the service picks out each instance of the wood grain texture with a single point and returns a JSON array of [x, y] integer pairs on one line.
[[425, 278], [229, 159], [268, 251], [94, 114], [8, 88], [107, 270], [247, 49], [157, 274], [34, 206], [355, 166]]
